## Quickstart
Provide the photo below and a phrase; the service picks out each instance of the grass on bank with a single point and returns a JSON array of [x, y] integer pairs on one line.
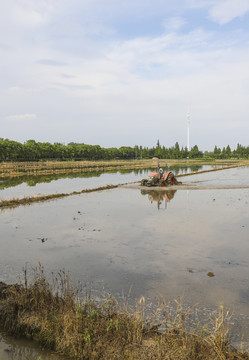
[[57, 316]]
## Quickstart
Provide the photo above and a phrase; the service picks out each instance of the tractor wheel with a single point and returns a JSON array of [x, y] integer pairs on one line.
[[170, 179]]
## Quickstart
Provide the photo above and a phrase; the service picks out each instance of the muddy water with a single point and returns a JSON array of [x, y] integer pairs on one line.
[[190, 243], [21, 349], [224, 178]]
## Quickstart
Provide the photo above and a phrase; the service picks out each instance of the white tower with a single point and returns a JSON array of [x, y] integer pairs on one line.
[[188, 125]]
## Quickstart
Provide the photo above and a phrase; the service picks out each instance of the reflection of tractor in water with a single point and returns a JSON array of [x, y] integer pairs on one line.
[[160, 178], [159, 196]]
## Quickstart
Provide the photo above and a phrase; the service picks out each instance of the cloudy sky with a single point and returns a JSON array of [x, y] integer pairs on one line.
[[125, 72]]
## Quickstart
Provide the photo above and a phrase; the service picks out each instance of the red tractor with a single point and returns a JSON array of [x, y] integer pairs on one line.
[[160, 178]]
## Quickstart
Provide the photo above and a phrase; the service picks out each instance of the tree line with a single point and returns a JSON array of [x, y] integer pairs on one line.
[[34, 151]]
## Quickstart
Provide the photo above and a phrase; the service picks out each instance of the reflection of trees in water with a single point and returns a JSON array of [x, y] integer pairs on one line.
[[177, 169], [159, 196], [33, 180]]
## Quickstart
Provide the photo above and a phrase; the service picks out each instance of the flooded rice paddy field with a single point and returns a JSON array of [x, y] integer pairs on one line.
[[57, 183], [175, 243]]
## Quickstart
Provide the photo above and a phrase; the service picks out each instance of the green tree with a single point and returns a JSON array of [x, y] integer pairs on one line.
[[195, 152], [217, 152]]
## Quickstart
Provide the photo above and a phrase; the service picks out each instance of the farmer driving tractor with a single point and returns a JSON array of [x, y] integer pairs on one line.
[[159, 178]]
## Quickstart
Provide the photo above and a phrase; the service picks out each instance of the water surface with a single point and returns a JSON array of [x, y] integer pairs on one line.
[[22, 349], [189, 243]]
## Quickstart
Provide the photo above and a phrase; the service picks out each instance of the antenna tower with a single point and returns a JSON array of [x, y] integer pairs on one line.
[[188, 125]]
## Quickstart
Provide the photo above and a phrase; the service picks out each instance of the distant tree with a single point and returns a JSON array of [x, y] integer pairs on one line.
[[32, 151], [195, 152], [217, 152], [241, 151], [176, 151], [184, 152], [126, 152], [226, 153]]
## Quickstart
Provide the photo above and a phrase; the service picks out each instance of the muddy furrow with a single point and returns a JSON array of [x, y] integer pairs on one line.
[[31, 199]]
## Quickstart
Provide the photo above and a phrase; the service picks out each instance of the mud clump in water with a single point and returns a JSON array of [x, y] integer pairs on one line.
[[210, 274]]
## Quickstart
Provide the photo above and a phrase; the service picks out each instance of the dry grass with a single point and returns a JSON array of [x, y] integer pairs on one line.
[[58, 317], [13, 169]]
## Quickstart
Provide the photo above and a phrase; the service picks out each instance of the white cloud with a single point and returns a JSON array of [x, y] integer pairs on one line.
[[78, 82], [225, 11], [199, 4], [173, 23], [13, 90], [73, 86], [51, 62], [28, 17], [21, 117]]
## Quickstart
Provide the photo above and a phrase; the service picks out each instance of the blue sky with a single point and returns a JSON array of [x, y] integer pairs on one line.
[[115, 72]]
